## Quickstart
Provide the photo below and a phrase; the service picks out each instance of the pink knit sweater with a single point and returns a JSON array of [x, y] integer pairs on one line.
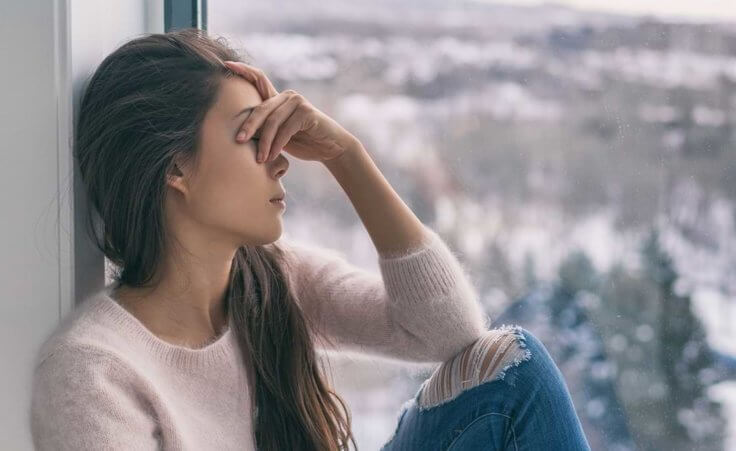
[[103, 381]]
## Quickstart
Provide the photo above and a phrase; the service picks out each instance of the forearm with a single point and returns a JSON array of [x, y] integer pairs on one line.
[[391, 224]]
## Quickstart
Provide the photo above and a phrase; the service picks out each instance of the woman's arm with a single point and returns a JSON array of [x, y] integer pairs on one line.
[[288, 121], [391, 224], [422, 307]]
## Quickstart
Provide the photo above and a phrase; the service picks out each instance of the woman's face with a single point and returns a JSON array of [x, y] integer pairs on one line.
[[229, 192]]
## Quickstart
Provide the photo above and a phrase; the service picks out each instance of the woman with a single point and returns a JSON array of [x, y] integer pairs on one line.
[[207, 337]]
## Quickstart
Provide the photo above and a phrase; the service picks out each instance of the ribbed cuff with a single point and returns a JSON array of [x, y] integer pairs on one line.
[[420, 274]]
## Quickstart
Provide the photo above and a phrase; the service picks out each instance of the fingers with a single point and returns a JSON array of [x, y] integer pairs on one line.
[[288, 129], [258, 115], [272, 124], [256, 76], [275, 110]]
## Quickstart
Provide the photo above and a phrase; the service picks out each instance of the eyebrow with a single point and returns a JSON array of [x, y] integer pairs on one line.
[[244, 110]]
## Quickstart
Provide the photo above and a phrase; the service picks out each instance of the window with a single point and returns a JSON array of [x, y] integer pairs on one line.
[[583, 164]]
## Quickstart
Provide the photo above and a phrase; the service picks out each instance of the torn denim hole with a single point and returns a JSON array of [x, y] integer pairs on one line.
[[487, 359]]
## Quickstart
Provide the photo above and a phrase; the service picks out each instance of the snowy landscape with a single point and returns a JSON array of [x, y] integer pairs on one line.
[[582, 165]]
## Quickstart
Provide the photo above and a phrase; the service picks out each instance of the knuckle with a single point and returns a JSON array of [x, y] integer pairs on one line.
[[297, 97]]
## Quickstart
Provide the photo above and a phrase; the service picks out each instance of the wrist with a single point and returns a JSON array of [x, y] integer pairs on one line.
[[351, 150]]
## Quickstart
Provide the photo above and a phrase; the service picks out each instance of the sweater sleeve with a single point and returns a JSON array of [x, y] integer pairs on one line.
[[83, 399], [421, 307]]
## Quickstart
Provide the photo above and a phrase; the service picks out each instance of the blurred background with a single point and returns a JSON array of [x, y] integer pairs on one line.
[[581, 161]]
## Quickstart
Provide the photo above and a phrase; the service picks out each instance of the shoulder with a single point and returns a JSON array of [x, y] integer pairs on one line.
[[75, 379], [74, 363], [86, 332]]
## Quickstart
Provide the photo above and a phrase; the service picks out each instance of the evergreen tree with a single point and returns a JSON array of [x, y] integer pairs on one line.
[[683, 354]]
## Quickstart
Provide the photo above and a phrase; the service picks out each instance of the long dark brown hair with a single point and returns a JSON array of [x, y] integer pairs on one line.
[[142, 109]]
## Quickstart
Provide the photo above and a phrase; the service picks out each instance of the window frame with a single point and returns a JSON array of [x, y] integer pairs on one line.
[[185, 14]]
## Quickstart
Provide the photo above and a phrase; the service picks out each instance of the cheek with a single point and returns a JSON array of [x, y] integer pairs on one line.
[[224, 193], [224, 203], [227, 184]]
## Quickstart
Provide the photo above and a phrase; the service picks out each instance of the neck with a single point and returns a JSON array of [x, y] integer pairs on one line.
[[172, 321]]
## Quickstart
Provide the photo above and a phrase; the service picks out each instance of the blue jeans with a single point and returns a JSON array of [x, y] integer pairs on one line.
[[530, 408]]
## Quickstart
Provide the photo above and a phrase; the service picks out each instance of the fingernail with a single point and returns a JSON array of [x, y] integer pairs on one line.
[[241, 136]]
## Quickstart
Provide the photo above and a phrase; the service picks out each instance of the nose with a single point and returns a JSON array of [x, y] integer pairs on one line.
[[280, 165]]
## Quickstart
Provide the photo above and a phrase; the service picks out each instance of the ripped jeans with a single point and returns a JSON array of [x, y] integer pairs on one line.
[[504, 392]]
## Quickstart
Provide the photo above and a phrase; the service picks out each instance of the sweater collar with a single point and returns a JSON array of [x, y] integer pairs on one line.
[[219, 351]]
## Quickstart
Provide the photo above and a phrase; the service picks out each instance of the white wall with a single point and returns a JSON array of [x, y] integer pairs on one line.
[[47, 50]]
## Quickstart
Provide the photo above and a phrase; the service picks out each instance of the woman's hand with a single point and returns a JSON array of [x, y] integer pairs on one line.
[[287, 120]]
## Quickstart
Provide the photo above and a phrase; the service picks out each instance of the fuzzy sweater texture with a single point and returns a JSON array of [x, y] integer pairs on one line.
[[103, 381]]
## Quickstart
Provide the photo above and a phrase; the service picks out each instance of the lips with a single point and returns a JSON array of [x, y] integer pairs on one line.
[[279, 197]]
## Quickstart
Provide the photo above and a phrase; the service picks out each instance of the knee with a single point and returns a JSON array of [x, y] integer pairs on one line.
[[537, 348], [530, 340], [485, 360], [497, 350]]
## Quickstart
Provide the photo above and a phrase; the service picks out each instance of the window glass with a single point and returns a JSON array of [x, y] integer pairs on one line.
[[582, 163]]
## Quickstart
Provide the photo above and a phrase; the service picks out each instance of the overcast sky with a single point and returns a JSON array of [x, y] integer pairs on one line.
[[696, 10]]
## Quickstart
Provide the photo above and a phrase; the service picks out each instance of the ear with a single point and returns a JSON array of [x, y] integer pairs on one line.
[[178, 179]]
